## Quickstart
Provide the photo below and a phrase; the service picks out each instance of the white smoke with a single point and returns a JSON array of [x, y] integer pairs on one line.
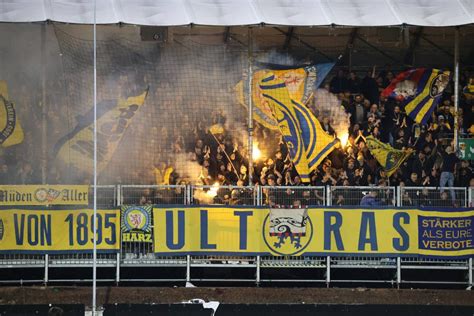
[[329, 106]]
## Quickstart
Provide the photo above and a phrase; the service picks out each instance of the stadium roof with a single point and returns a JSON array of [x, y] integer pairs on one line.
[[243, 12]]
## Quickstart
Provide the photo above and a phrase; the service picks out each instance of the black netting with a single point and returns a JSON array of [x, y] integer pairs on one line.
[[190, 89]]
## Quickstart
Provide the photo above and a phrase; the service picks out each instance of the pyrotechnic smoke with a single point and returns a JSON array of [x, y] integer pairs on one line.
[[187, 81], [329, 106]]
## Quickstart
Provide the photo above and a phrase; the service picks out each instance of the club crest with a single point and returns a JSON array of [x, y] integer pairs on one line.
[[287, 231]]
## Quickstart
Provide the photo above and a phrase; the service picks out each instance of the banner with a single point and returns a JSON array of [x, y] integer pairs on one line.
[[319, 232], [11, 132], [469, 89], [113, 118], [419, 91], [300, 82], [54, 231], [466, 148], [136, 223], [307, 142], [388, 157], [44, 195]]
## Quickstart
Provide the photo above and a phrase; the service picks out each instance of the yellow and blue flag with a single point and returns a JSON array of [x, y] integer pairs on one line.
[[469, 89], [301, 81], [11, 132], [419, 90], [76, 149], [387, 156], [308, 144]]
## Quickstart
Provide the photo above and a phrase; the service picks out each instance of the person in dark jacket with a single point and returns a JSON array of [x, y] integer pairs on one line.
[[370, 199]]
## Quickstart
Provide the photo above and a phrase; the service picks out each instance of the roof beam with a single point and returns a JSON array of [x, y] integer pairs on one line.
[[227, 34], [377, 49], [289, 35], [306, 44], [349, 45], [408, 60], [436, 46]]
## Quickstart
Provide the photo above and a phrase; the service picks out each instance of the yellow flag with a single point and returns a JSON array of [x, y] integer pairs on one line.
[[216, 129], [389, 158], [77, 148], [11, 132], [307, 142], [300, 82]]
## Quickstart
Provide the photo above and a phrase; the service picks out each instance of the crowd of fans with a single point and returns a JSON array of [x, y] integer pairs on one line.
[[219, 154], [433, 163]]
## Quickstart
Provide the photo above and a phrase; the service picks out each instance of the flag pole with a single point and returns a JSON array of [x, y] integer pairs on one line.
[[456, 86], [250, 119], [94, 218], [225, 153]]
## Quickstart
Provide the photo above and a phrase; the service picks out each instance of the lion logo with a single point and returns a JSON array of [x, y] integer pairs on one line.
[[287, 231], [136, 218]]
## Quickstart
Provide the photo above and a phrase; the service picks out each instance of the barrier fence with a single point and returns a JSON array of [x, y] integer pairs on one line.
[[136, 262]]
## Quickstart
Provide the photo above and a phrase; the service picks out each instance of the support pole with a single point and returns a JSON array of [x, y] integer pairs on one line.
[[456, 86], [94, 218], [470, 273], [250, 119], [44, 110], [117, 269], [188, 268], [46, 269], [257, 276], [399, 272], [328, 271]]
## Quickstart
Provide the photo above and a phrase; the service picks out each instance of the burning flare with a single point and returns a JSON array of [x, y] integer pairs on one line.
[[256, 152], [213, 190]]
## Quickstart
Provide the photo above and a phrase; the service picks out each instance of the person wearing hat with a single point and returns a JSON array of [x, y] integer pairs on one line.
[[443, 128]]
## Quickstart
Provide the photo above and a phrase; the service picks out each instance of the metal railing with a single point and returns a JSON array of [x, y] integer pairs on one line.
[[365, 196], [223, 195], [433, 197], [126, 265], [293, 196], [153, 194], [106, 196]]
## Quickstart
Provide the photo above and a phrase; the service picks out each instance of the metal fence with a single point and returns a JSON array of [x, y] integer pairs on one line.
[[153, 194], [366, 196], [292, 196], [224, 195], [106, 196], [433, 196], [133, 264]]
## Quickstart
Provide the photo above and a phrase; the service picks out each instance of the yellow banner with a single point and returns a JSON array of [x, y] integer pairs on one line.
[[44, 195], [76, 149], [11, 132], [314, 232], [54, 231]]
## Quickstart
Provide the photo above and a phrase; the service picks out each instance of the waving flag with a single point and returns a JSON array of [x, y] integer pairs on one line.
[[308, 144], [113, 117], [300, 82], [389, 158], [469, 89], [11, 132], [419, 90]]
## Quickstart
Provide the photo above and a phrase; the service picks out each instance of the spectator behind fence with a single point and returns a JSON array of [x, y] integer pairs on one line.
[[370, 199], [447, 171]]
